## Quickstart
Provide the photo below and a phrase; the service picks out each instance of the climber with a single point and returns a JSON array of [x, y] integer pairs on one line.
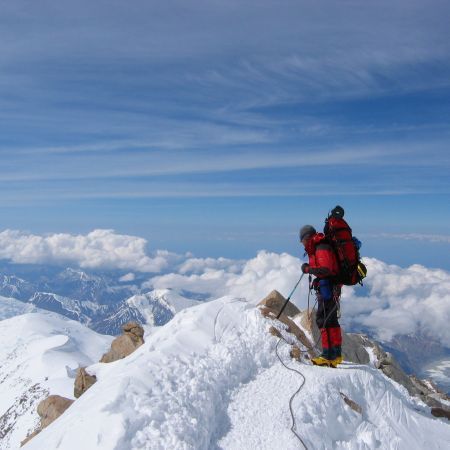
[[324, 266]]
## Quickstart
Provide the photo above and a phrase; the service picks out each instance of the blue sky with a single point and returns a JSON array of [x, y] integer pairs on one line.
[[221, 127]]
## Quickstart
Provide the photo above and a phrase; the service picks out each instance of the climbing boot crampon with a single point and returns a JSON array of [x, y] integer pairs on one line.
[[337, 361], [322, 361]]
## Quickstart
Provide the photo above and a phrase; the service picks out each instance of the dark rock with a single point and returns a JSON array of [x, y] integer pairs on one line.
[[353, 405], [83, 382], [441, 412]]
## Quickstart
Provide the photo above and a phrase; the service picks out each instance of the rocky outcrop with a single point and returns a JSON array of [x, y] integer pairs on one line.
[[83, 381], [441, 412], [356, 348], [131, 339], [353, 345], [352, 404], [270, 308], [52, 407], [275, 301], [49, 410], [295, 353]]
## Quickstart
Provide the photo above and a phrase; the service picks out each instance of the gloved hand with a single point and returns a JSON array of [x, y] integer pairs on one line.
[[305, 268]]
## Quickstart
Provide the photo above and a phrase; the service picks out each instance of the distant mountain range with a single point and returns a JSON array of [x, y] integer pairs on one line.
[[101, 301]]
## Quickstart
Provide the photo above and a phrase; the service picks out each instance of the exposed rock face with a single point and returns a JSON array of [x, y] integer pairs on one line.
[[135, 330], [390, 367], [127, 343], [430, 391], [354, 349], [52, 407], [295, 353], [352, 404], [275, 301], [49, 410], [440, 412], [292, 327], [274, 332], [83, 382]]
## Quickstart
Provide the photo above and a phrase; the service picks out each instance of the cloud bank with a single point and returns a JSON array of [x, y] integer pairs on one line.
[[393, 301], [100, 249]]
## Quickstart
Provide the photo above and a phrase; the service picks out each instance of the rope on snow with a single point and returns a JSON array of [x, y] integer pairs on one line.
[[293, 427]]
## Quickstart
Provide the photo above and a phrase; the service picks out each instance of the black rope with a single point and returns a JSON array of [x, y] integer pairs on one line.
[[293, 427]]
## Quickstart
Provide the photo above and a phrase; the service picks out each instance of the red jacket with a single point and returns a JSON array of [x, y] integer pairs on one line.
[[322, 260]]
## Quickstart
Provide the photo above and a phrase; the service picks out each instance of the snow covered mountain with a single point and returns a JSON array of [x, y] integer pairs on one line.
[[10, 307], [153, 308], [39, 354], [211, 379], [15, 287], [96, 300]]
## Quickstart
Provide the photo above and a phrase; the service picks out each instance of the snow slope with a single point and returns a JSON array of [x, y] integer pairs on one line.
[[39, 353], [159, 301], [210, 379], [10, 307]]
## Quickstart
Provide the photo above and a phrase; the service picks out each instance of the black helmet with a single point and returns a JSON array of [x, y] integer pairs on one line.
[[337, 212], [305, 230]]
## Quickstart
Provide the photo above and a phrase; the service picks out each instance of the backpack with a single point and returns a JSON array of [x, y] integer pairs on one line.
[[346, 247]]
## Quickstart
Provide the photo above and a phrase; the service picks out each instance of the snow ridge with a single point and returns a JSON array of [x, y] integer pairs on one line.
[[210, 380]]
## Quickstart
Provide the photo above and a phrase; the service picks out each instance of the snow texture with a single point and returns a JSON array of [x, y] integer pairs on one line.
[[39, 355], [10, 307], [210, 379]]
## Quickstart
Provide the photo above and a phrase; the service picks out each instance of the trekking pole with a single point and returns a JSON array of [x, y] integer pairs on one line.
[[290, 295]]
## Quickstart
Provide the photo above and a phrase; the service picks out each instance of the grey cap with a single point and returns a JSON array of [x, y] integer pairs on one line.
[[305, 230]]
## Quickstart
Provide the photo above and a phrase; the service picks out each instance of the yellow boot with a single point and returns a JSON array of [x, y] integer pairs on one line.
[[321, 360], [334, 362]]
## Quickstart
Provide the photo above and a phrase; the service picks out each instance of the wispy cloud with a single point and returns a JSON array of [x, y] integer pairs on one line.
[[442, 238], [142, 159], [105, 100]]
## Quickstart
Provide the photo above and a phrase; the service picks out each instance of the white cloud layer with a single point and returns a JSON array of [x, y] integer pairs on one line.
[[402, 301], [100, 249], [393, 301]]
